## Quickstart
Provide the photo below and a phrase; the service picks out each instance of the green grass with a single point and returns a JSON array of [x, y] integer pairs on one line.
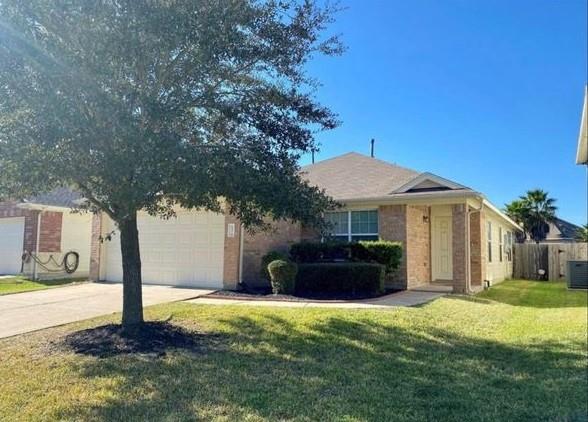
[[457, 358], [22, 284]]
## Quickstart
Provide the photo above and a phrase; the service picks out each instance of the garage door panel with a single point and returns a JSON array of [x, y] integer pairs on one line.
[[11, 244], [186, 251]]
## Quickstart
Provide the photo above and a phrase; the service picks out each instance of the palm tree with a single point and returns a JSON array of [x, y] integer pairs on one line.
[[539, 213], [582, 234]]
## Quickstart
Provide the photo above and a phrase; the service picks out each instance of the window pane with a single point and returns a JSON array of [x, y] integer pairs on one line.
[[338, 222], [364, 222]]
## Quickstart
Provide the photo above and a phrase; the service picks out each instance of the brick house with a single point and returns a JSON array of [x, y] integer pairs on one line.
[[46, 227], [451, 234]]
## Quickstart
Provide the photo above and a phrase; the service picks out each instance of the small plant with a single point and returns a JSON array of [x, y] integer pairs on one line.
[[283, 276], [265, 261]]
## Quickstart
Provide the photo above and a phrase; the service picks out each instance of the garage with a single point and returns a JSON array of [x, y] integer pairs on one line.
[[11, 244], [186, 250]]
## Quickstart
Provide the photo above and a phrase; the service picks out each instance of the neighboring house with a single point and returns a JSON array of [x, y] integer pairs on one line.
[[449, 232], [559, 231], [582, 153], [61, 230]]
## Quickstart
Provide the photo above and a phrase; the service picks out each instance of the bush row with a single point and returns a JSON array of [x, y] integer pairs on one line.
[[340, 278], [381, 252]]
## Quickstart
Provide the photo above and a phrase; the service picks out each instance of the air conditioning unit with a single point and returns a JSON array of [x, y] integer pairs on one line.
[[577, 274]]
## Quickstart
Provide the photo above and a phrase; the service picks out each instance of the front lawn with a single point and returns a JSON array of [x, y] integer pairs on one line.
[[457, 358], [21, 284]]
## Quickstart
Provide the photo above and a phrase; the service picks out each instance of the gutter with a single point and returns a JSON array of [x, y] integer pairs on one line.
[[41, 207]]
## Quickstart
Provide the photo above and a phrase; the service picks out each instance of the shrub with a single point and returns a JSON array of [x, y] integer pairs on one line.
[[265, 261], [305, 252], [309, 252], [346, 277], [382, 252], [283, 276]]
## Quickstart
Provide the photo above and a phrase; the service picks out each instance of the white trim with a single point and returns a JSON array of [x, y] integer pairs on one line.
[[40, 207], [430, 177]]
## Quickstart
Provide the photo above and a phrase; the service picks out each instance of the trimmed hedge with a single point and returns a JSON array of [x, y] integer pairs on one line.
[[336, 278], [283, 276], [381, 252], [389, 254], [265, 261]]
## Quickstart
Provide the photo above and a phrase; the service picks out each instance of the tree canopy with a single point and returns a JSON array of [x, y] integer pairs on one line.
[[533, 211], [148, 104]]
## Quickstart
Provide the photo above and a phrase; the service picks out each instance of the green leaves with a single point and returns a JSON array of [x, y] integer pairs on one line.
[[147, 104], [533, 212]]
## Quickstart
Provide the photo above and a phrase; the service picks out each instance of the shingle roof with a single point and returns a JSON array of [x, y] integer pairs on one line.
[[60, 197], [357, 176]]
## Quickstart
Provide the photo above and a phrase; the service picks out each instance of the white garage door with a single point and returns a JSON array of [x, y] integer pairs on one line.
[[11, 244], [187, 250]]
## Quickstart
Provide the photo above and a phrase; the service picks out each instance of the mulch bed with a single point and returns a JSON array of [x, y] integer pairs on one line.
[[153, 339], [266, 294]]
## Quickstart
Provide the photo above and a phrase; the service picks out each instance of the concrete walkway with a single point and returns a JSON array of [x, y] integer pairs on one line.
[[400, 299], [31, 311]]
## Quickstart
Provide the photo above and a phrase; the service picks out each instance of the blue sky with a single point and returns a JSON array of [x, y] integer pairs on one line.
[[485, 92]]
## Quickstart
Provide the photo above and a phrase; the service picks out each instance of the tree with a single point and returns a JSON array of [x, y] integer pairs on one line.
[[533, 211], [145, 105], [582, 234]]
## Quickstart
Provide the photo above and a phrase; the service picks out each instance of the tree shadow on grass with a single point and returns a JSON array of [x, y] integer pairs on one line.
[[343, 369]]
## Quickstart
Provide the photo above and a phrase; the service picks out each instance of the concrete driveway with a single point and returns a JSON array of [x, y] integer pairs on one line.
[[25, 312]]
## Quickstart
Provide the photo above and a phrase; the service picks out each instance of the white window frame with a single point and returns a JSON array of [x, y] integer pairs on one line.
[[350, 235], [500, 244], [489, 241]]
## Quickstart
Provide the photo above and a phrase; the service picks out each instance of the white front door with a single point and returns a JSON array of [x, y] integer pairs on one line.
[[11, 244], [442, 249]]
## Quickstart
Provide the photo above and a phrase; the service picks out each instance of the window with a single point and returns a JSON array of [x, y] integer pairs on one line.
[[353, 225], [489, 234], [509, 245], [500, 244]]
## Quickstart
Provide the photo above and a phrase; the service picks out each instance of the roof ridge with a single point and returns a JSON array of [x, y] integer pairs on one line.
[[387, 163]]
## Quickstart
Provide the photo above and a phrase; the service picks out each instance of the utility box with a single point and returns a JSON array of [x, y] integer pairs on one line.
[[577, 274]]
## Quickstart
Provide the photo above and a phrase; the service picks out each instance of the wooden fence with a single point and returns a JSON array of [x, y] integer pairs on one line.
[[530, 258]]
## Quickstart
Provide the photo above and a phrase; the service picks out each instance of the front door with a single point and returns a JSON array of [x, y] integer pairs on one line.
[[442, 249]]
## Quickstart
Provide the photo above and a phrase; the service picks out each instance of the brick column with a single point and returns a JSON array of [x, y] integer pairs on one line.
[[392, 227], [50, 234], [459, 248], [95, 247], [477, 249], [418, 249], [232, 252]]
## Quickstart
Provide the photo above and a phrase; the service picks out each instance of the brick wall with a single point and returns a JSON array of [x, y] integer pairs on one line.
[[459, 252], [255, 246], [50, 234], [9, 209], [95, 247], [418, 250], [231, 253], [392, 226]]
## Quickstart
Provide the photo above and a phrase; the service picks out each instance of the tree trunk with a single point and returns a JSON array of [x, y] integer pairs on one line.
[[132, 316]]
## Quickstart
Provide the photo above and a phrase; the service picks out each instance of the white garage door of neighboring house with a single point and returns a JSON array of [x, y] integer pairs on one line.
[[187, 250], [11, 244]]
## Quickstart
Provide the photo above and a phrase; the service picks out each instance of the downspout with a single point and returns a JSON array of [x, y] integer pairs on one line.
[[241, 242]]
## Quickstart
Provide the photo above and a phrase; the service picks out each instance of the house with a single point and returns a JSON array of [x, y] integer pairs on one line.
[[559, 231], [450, 233], [46, 227], [582, 153]]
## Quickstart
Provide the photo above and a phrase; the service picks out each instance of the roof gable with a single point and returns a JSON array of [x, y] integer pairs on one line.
[[426, 182]]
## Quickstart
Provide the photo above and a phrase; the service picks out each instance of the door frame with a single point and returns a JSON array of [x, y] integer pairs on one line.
[[435, 247]]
